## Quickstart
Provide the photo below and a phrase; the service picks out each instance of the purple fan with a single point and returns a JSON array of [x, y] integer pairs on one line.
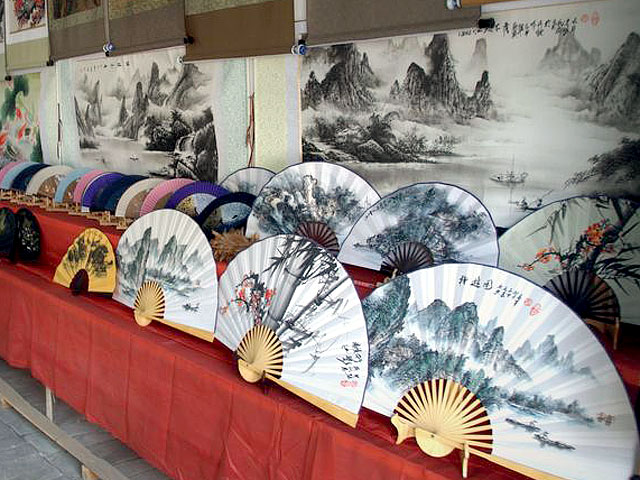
[[95, 187], [203, 193]]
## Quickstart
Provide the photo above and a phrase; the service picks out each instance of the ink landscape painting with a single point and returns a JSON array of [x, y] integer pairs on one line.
[[543, 106]]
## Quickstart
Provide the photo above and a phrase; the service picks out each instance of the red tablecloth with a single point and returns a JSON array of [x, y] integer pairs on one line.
[[178, 401]]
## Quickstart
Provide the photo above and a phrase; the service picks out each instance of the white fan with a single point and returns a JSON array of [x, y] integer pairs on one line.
[[473, 357], [292, 314], [317, 200], [574, 246], [419, 226], [167, 273], [131, 200], [45, 182], [247, 180]]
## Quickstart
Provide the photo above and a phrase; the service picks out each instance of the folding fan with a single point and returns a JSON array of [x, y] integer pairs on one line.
[[23, 178], [473, 357], [131, 200], [4, 170], [107, 199], [13, 172], [45, 182], [67, 185], [28, 235], [419, 226], [95, 189], [248, 180], [317, 200], [89, 264], [225, 213], [166, 273], [574, 246], [157, 198], [292, 315], [7, 232], [84, 182], [194, 197]]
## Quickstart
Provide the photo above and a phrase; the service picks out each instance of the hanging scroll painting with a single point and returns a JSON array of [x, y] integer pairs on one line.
[[26, 35], [147, 114], [20, 132], [539, 108], [25, 14]]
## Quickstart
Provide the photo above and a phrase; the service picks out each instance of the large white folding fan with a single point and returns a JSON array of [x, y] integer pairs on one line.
[[166, 273], [317, 200], [422, 225], [247, 180], [292, 315], [476, 358], [586, 250]]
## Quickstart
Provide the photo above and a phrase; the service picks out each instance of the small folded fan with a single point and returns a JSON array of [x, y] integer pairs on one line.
[[96, 189], [166, 273], [131, 200], [292, 315], [157, 198], [107, 199], [89, 264], [5, 169], [419, 226], [12, 172], [67, 185], [84, 182], [473, 357], [247, 180], [8, 228], [28, 238], [225, 213], [317, 200], [23, 178], [573, 247], [45, 182], [194, 197]]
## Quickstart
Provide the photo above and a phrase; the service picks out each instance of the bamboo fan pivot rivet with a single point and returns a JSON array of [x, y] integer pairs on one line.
[[442, 415], [259, 354], [149, 304]]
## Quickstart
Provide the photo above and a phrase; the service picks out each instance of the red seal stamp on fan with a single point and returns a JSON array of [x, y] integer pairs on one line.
[[349, 383], [536, 309]]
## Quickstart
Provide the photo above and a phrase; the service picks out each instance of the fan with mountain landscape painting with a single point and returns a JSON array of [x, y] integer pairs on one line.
[[89, 264], [159, 195], [130, 202], [166, 273], [67, 185], [473, 357], [247, 180], [586, 250], [45, 182], [317, 200], [292, 315], [419, 226]]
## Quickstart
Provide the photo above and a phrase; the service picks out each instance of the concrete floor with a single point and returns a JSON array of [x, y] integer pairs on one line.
[[27, 454]]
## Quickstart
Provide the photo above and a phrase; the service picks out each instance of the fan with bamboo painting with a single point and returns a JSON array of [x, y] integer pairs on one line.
[[89, 264], [166, 273], [586, 250], [471, 357], [292, 315]]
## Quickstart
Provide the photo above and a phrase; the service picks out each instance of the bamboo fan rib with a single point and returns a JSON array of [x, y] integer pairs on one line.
[[149, 304], [260, 354]]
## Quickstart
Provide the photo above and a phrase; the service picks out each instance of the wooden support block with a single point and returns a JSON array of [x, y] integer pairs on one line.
[[49, 401], [4, 404], [88, 474]]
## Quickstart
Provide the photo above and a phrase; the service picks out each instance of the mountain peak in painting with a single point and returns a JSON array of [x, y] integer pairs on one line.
[[569, 55]]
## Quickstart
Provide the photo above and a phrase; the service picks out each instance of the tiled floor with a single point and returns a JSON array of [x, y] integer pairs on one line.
[[27, 454]]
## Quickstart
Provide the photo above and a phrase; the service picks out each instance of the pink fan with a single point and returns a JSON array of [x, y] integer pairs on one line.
[[6, 168], [84, 182], [159, 195]]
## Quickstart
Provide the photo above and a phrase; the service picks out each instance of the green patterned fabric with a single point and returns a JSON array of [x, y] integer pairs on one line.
[[193, 7]]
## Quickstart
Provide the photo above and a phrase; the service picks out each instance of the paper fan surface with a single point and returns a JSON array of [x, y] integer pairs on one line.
[[158, 196], [193, 198], [596, 235], [309, 195], [108, 198], [24, 177], [4, 170], [92, 252], [419, 226], [247, 180], [96, 188], [13, 172], [131, 200], [226, 212], [45, 182], [168, 248], [303, 294], [84, 182], [67, 185], [28, 235], [7, 231], [554, 399]]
